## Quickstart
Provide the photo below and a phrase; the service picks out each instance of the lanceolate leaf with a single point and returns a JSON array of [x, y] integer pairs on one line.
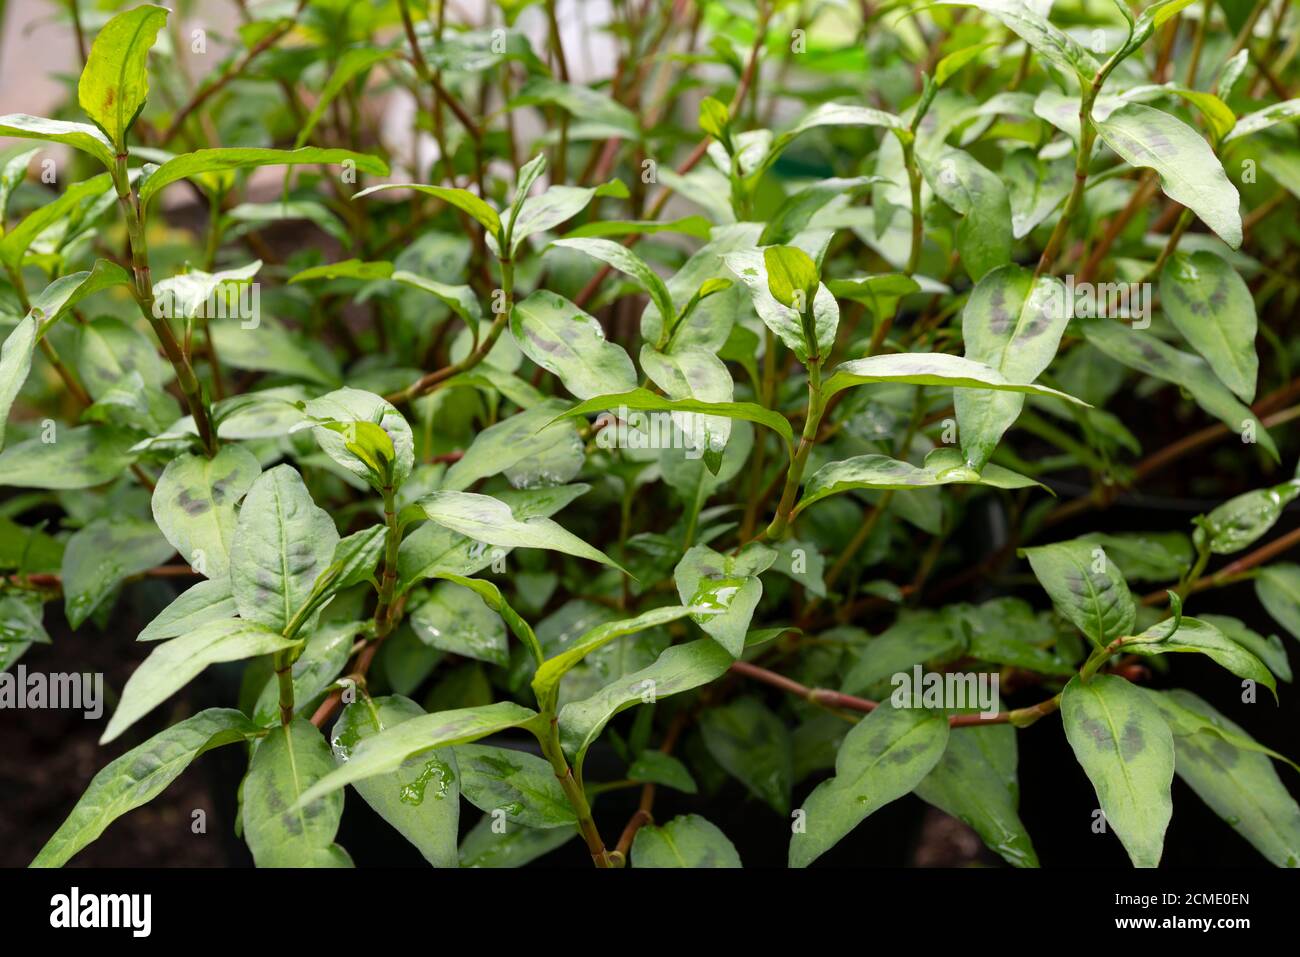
[[1212, 307], [1127, 751], [282, 542], [15, 364], [625, 261], [522, 786], [189, 165], [942, 467], [350, 64], [389, 750], [1086, 587], [1152, 356], [1194, 635], [101, 556], [281, 829], [644, 400], [984, 236], [1189, 171], [139, 776], [194, 505], [1238, 783], [679, 668], [1012, 324], [420, 799], [202, 603], [81, 136], [563, 339], [114, 83], [489, 520], [546, 680], [975, 781], [1278, 590], [885, 755], [686, 841], [171, 665], [930, 368]]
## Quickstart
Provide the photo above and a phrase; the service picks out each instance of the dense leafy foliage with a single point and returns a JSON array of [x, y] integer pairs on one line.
[[705, 399]]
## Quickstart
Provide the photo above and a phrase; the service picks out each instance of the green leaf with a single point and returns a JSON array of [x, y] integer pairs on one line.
[[140, 775], [797, 211], [456, 620], [930, 368], [191, 165], [1086, 587], [568, 342], [493, 598], [696, 226], [434, 550], [1013, 324], [485, 846], [1026, 22], [531, 442], [80, 136], [281, 829], [420, 799], [15, 364], [753, 745], [389, 750], [1269, 650], [942, 467], [625, 261], [883, 757], [1189, 171], [109, 350], [1211, 306], [714, 118], [679, 668], [1252, 123], [115, 81], [194, 505], [1154, 357], [750, 266], [984, 234], [14, 245], [582, 102], [539, 214], [1192, 635], [171, 665], [725, 590], [695, 374], [358, 555], [1127, 751], [686, 841], [546, 681], [487, 519], [1224, 766], [348, 447], [79, 458], [459, 299], [828, 114], [188, 294], [1242, 519], [975, 782], [1146, 556], [200, 604], [791, 276], [655, 767], [462, 199], [646, 401], [520, 785], [282, 542], [349, 65], [270, 348], [101, 556], [1278, 589], [346, 269]]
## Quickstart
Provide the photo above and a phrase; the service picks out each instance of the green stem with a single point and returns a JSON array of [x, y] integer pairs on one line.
[[550, 742], [388, 582], [808, 438], [918, 224], [142, 289]]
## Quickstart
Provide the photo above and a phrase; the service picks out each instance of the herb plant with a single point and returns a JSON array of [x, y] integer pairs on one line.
[[679, 415]]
